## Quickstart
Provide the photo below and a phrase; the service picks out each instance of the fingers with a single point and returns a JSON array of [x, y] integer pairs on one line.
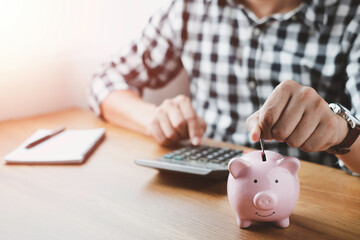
[[299, 116], [288, 121], [174, 120], [156, 132], [303, 131], [196, 126], [330, 131], [316, 141], [261, 123], [302, 118], [167, 128], [177, 121], [274, 106], [202, 125]]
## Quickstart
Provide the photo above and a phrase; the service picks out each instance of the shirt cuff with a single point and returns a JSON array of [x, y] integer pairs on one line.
[[343, 167], [99, 91]]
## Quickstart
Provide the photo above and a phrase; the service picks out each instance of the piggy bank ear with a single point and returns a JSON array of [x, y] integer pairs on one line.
[[290, 163], [238, 167]]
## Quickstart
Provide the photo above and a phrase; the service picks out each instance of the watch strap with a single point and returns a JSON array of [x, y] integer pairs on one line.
[[344, 146]]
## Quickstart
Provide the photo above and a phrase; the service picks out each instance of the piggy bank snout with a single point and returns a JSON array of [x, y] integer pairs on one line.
[[265, 200]]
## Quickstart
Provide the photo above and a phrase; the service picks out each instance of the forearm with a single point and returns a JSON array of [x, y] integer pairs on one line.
[[352, 159], [126, 109]]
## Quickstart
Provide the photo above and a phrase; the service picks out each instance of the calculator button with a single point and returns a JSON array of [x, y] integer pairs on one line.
[[203, 159], [216, 153], [168, 156], [179, 157], [215, 160], [186, 154]]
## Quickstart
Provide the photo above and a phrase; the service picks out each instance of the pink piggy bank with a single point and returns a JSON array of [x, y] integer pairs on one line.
[[263, 190]]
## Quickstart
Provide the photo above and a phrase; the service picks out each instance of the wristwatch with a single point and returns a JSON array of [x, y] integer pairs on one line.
[[353, 133]]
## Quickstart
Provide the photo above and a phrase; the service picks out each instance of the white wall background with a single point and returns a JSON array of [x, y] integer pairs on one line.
[[50, 49]]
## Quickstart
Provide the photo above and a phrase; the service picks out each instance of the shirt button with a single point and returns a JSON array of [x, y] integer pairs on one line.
[[252, 84], [256, 32]]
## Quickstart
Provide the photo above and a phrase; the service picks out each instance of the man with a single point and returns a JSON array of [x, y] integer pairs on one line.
[[267, 67]]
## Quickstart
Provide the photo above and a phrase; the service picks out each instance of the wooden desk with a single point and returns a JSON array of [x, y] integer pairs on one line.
[[109, 197]]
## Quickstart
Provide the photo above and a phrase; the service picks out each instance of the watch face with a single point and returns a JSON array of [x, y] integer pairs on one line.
[[335, 108], [354, 120], [353, 133], [349, 114], [346, 114]]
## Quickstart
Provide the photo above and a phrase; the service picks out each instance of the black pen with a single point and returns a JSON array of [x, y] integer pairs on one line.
[[46, 137]]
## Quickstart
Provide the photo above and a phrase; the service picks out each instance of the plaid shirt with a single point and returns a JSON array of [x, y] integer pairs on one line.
[[235, 60]]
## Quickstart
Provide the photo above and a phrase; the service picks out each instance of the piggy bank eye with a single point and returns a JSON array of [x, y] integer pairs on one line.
[[255, 181], [276, 181]]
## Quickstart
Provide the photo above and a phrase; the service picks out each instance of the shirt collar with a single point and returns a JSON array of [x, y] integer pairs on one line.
[[313, 13]]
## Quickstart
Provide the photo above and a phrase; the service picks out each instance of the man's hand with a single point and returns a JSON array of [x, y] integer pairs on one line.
[[174, 120], [299, 116]]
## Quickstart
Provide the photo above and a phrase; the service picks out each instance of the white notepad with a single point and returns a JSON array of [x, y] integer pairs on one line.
[[70, 146]]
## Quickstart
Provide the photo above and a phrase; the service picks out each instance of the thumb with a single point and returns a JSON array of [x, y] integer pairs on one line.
[[252, 125], [255, 133]]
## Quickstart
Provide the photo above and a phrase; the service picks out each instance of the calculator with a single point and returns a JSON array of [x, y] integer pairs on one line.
[[200, 160]]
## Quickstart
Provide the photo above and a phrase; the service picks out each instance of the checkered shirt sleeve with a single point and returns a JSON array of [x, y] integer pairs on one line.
[[150, 62]]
